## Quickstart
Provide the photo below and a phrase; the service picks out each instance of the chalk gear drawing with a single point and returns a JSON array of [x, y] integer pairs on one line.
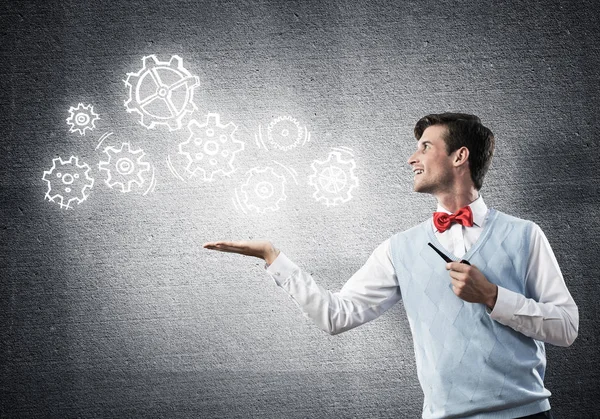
[[333, 179], [263, 190], [162, 92], [124, 167], [210, 148], [285, 133], [69, 182], [82, 118]]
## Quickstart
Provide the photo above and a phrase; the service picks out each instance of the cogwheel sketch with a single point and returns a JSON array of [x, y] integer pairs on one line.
[[161, 92], [283, 133], [210, 148], [333, 179], [263, 190], [124, 167], [68, 181], [82, 118]]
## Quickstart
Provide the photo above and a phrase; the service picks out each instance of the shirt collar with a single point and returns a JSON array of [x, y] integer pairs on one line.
[[478, 207]]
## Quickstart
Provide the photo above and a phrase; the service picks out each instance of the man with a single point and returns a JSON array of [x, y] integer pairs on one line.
[[478, 326]]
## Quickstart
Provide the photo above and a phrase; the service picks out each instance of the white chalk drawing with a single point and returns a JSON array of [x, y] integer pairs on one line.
[[102, 138], [283, 133], [82, 118], [161, 92], [263, 190], [171, 167], [211, 148], [68, 181], [125, 167], [292, 172], [152, 183], [333, 178]]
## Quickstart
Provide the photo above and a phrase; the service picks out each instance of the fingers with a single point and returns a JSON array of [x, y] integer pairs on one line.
[[457, 285], [258, 248], [223, 246], [254, 248], [459, 281], [227, 249], [219, 244], [458, 267], [459, 276]]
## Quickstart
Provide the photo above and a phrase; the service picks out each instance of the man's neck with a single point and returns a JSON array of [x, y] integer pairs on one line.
[[453, 201]]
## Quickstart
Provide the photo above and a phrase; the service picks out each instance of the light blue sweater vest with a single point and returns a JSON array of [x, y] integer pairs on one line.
[[468, 364]]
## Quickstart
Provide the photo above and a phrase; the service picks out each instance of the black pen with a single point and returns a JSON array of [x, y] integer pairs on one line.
[[446, 258]]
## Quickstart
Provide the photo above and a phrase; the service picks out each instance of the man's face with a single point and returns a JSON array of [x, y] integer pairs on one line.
[[431, 165]]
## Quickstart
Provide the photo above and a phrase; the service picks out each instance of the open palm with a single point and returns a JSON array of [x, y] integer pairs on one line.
[[262, 249]]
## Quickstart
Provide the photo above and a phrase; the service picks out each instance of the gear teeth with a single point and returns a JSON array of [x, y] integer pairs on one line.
[[297, 136], [272, 190], [124, 167], [211, 148], [333, 182], [178, 60], [82, 118], [151, 65], [78, 175]]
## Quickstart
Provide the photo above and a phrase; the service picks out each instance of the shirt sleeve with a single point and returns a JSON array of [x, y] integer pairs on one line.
[[371, 291], [550, 315]]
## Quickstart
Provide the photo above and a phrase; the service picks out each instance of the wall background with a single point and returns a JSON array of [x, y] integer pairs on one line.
[[113, 309]]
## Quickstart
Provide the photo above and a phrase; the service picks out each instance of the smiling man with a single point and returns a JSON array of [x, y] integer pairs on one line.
[[479, 322]]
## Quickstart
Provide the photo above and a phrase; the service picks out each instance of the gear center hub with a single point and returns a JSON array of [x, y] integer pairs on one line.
[[211, 148], [264, 190], [125, 166], [82, 119]]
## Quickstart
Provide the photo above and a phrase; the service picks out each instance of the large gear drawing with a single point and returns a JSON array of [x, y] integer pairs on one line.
[[162, 92], [124, 167], [68, 182], [263, 190], [284, 133], [82, 118], [333, 179], [210, 148]]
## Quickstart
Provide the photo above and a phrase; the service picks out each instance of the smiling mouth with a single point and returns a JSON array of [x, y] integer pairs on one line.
[[418, 172]]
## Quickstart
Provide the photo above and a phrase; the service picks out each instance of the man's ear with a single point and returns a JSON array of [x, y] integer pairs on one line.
[[461, 156]]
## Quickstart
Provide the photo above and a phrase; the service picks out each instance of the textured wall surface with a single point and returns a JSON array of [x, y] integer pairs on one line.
[[113, 309]]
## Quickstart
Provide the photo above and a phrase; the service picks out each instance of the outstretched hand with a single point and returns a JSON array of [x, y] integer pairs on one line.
[[469, 284], [262, 249]]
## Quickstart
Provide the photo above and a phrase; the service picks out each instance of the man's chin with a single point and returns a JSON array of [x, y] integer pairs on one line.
[[421, 188]]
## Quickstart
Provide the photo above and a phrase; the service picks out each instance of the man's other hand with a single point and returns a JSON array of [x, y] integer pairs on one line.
[[469, 284], [262, 249]]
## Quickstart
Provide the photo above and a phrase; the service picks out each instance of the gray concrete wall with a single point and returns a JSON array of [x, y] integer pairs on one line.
[[113, 309]]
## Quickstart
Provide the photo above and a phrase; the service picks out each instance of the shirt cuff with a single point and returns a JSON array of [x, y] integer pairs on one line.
[[505, 307], [281, 268]]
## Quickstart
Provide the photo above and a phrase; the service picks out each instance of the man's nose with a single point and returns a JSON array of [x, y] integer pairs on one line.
[[412, 159]]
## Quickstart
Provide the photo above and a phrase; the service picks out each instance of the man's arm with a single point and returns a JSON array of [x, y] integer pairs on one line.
[[550, 315], [371, 291]]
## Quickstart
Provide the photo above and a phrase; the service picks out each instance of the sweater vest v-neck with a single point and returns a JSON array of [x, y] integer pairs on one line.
[[468, 364]]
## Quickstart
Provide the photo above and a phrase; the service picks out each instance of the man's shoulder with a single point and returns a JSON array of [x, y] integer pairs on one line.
[[511, 219], [412, 232]]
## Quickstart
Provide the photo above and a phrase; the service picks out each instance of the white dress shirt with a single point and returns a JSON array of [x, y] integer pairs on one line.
[[550, 315]]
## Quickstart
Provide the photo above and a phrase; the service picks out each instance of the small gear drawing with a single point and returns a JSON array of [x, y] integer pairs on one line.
[[284, 133], [333, 179], [263, 190], [210, 148], [162, 92], [124, 167], [82, 118], [68, 182]]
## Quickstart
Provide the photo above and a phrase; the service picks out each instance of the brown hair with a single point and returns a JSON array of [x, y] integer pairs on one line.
[[468, 131]]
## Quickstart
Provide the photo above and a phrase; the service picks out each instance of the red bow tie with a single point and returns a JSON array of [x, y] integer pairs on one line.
[[443, 221]]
